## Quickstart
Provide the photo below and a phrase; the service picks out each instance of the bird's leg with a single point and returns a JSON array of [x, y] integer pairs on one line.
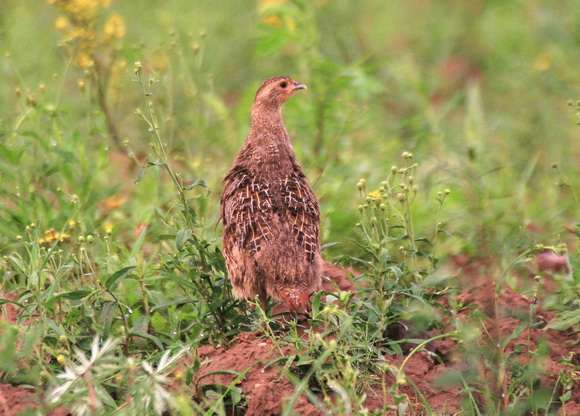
[[263, 301]]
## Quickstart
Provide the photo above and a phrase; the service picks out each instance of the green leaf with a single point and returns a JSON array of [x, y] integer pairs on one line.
[[565, 320], [140, 175], [165, 304], [106, 316], [13, 156], [159, 323], [150, 337], [4, 301], [8, 342], [111, 282], [72, 295], [182, 236], [271, 41], [129, 291], [139, 243], [31, 338], [236, 395], [219, 372]]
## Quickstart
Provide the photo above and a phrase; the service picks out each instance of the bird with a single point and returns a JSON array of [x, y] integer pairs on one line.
[[270, 214]]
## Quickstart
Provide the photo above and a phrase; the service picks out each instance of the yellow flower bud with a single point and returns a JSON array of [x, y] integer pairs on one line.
[[115, 27], [108, 227], [84, 60], [61, 23]]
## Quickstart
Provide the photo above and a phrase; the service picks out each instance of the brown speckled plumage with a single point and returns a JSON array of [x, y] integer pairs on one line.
[[270, 214]]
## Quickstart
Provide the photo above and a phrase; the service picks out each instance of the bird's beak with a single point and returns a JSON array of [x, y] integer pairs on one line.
[[299, 86]]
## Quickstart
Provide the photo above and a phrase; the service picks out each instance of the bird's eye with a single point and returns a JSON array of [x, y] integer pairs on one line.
[[283, 84]]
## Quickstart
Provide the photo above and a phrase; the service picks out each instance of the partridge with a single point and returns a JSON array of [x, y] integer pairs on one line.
[[271, 217]]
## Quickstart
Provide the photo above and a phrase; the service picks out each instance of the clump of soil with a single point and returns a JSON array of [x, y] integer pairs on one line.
[[8, 312], [15, 400], [263, 385]]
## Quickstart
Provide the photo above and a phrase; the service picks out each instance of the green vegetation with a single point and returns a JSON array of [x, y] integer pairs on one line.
[[430, 130]]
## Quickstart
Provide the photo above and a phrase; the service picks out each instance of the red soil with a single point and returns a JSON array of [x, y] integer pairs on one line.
[[264, 387], [15, 400], [8, 311]]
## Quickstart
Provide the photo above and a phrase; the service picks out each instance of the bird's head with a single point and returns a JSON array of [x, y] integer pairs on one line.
[[275, 91]]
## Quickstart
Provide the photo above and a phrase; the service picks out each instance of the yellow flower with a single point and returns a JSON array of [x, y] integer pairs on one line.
[[108, 227], [81, 33], [375, 196], [542, 63], [84, 9], [272, 20], [84, 60], [264, 4], [267, 8], [51, 235], [61, 23], [115, 27], [62, 237]]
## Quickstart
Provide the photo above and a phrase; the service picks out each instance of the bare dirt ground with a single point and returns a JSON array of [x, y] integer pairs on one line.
[[16, 399]]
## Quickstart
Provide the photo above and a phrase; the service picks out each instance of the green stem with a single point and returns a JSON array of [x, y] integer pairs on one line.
[[419, 347]]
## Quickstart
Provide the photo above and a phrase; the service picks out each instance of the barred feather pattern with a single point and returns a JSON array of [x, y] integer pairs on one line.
[[246, 210], [249, 202], [303, 212]]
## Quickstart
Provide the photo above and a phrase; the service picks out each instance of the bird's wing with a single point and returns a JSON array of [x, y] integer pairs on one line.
[[245, 210], [303, 212]]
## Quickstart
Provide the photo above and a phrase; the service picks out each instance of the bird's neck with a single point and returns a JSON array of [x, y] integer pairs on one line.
[[268, 118], [268, 139]]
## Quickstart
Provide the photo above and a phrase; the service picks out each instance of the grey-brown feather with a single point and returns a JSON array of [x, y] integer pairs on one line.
[[271, 216]]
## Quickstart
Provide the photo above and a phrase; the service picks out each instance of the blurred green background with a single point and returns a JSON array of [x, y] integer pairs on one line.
[[119, 120], [477, 90]]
